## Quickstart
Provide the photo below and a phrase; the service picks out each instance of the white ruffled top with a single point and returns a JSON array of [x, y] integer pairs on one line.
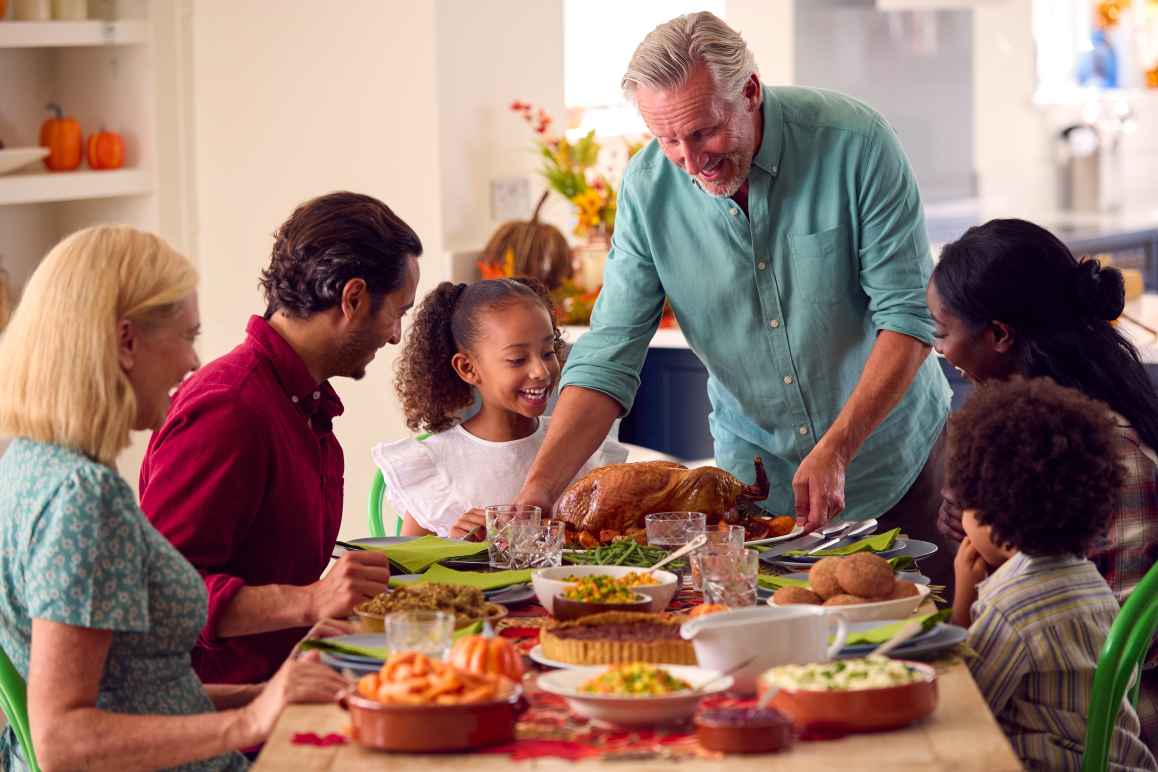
[[437, 479]]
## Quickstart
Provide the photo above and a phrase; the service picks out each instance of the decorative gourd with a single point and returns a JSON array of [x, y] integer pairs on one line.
[[63, 139], [106, 150], [540, 250], [477, 654]]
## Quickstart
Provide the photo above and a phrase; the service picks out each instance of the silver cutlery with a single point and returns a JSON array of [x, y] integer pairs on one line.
[[866, 527]]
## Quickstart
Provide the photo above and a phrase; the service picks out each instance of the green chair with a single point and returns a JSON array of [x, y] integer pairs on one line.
[[1122, 656], [377, 491], [14, 703]]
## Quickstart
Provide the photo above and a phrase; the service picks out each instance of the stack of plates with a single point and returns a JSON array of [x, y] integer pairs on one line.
[[354, 662], [934, 641], [913, 548]]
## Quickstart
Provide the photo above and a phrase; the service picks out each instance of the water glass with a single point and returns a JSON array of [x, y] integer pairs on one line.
[[729, 577], [429, 632], [536, 546], [499, 519], [719, 538], [672, 530]]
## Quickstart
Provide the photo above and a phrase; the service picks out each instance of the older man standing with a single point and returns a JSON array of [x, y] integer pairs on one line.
[[245, 476], [785, 228]]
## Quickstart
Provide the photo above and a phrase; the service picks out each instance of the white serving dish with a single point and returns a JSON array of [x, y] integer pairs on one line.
[[548, 582], [634, 711], [14, 158], [764, 638], [878, 610]]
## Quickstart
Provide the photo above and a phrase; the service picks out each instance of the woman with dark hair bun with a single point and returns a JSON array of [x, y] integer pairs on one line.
[[1009, 299]]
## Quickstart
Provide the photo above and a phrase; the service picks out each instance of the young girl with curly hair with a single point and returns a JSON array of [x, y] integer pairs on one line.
[[496, 338]]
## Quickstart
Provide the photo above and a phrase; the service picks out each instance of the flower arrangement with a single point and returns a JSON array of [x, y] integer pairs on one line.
[[567, 167]]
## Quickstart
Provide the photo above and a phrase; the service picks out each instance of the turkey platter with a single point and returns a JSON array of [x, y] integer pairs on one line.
[[611, 502]]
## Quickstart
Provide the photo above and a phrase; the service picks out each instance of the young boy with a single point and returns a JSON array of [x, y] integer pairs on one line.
[[1034, 468]]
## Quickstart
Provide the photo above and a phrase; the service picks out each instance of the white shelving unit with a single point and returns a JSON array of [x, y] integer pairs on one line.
[[72, 186], [60, 34], [109, 75]]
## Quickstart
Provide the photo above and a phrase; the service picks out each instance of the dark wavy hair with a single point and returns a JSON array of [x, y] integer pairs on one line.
[[329, 240], [447, 322], [1060, 309], [1039, 463]]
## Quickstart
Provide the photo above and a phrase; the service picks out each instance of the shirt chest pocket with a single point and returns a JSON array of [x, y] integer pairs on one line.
[[822, 270]]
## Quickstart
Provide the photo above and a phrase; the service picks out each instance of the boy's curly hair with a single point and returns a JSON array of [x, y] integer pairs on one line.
[[446, 323], [1038, 462]]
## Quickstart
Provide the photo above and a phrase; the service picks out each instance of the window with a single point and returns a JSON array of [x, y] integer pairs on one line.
[[599, 37]]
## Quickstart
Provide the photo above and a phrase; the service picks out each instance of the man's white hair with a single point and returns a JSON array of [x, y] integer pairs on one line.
[[666, 57]]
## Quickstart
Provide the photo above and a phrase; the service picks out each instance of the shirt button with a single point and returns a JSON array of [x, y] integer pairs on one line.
[[774, 168], [294, 399], [317, 395], [734, 211], [803, 430], [774, 323], [760, 266], [788, 380]]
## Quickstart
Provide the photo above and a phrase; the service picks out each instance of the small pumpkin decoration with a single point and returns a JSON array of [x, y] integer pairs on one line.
[[536, 249], [61, 135], [478, 654], [106, 150]]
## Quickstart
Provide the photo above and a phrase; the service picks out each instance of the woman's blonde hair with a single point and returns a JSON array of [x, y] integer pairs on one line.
[[666, 57], [60, 379]]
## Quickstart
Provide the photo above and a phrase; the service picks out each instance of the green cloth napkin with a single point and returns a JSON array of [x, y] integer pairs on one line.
[[776, 582], [878, 635], [903, 563], [878, 542], [415, 555], [376, 652], [492, 580]]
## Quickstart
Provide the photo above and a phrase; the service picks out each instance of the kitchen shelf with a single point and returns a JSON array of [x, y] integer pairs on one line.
[[72, 186], [62, 34]]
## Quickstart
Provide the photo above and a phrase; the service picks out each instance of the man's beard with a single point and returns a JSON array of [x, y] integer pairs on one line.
[[354, 353], [742, 163]]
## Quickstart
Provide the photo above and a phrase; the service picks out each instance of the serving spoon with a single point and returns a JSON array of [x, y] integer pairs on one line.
[[694, 544]]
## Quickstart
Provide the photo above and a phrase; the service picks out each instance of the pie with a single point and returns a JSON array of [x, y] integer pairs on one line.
[[616, 637]]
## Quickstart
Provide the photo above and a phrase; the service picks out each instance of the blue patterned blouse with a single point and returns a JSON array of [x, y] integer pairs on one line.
[[76, 549]]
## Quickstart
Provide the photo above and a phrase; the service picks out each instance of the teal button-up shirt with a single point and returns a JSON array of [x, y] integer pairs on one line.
[[783, 304]]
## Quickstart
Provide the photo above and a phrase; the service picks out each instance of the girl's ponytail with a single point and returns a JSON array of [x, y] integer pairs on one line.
[[431, 392]]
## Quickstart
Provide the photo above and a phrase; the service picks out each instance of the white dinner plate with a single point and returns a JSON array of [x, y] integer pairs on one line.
[[796, 531], [537, 655]]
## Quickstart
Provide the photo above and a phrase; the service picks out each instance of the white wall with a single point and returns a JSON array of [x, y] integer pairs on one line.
[[296, 101]]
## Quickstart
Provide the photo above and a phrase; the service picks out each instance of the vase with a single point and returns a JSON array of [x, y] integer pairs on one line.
[[589, 259]]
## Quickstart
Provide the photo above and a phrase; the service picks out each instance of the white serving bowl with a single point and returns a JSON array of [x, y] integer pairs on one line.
[[877, 610], [14, 158], [548, 582], [634, 711]]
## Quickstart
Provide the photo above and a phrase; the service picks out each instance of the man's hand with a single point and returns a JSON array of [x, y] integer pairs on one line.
[[533, 495], [472, 526], [818, 486], [356, 577]]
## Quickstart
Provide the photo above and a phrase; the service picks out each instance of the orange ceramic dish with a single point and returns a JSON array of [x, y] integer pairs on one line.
[[861, 710], [433, 728]]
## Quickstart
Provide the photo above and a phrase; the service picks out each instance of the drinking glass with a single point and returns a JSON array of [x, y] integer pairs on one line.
[[672, 530], [429, 632], [719, 538], [499, 519], [729, 576], [536, 546]]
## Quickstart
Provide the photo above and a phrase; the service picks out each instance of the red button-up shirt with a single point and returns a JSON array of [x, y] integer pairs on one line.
[[245, 479]]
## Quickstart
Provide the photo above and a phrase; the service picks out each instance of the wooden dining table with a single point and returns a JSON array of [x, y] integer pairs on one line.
[[961, 735]]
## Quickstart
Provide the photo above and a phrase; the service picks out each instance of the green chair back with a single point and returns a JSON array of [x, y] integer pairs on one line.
[[1122, 656], [377, 491], [14, 703]]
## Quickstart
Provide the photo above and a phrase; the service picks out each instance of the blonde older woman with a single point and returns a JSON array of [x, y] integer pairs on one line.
[[98, 610]]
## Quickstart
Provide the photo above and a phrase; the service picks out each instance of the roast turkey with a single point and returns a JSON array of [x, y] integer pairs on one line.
[[613, 500]]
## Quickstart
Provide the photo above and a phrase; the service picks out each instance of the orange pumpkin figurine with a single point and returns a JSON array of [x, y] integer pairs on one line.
[[62, 137], [106, 150], [478, 654]]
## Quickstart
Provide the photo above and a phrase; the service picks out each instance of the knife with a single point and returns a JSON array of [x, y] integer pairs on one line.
[[867, 526]]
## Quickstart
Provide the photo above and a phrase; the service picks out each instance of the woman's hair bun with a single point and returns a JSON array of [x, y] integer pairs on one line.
[[1100, 291]]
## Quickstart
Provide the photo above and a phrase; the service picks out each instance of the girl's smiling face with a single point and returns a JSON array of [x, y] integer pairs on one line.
[[515, 366]]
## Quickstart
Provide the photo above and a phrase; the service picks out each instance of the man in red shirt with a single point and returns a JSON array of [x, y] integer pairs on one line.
[[245, 476]]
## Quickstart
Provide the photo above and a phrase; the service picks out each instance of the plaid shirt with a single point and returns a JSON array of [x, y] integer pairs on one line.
[[1038, 627], [1130, 547]]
